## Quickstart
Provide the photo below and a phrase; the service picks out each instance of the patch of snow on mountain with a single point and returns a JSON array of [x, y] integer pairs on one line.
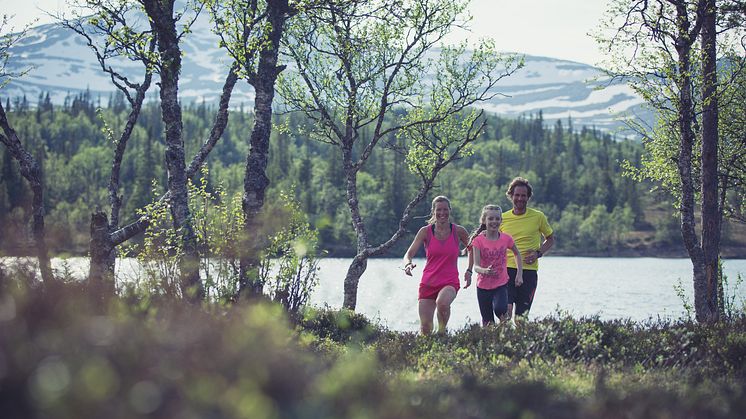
[[595, 97], [62, 64]]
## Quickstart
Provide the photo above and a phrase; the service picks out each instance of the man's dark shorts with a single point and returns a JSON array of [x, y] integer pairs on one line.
[[522, 297]]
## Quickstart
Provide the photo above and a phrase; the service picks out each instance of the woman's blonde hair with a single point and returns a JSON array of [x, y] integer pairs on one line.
[[439, 198]]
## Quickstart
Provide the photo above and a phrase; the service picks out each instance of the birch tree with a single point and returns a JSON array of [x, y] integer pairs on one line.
[[115, 32], [251, 32], [31, 169], [366, 71], [163, 20], [666, 49], [110, 35]]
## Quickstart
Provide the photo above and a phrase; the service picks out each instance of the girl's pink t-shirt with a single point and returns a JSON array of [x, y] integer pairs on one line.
[[492, 253]]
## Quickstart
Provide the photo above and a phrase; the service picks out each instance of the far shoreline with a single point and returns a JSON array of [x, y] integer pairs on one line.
[[726, 252]]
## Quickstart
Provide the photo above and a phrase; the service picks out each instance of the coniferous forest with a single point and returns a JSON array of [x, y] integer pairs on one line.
[[576, 173]]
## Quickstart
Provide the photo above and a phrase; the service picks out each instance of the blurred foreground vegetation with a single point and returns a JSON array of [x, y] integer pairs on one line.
[[64, 354]]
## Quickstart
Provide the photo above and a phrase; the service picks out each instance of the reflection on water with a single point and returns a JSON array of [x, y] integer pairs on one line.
[[636, 288]]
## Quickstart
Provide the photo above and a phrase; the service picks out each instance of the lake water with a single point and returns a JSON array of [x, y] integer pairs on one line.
[[612, 288]]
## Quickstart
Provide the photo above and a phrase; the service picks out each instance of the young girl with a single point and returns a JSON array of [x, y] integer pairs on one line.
[[489, 250]]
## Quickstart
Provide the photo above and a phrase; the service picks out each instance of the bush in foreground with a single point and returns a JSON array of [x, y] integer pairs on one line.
[[63, 356]]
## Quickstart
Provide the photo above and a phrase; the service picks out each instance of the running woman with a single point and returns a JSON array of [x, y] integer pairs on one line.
[[440, 282]]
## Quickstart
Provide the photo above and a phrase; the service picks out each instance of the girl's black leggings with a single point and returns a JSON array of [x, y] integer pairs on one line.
[[492, 303]]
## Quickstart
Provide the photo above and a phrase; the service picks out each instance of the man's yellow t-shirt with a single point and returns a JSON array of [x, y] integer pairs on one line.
[[527, 230]]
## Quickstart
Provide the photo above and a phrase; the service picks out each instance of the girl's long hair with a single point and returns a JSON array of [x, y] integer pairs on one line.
[[482, 225]]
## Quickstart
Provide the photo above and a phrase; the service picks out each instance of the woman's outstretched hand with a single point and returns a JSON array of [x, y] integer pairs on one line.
[[408, 268]]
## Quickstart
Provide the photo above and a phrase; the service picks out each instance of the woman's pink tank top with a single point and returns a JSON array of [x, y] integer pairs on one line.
[[441, 266]]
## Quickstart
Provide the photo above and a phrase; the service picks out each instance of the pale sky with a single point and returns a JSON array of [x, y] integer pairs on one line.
[[551, 28]]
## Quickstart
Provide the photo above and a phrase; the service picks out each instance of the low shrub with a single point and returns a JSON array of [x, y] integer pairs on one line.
[[64, 354]]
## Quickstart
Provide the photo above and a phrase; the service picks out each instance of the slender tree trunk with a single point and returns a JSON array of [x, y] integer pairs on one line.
[[352, 279], [115, 200], [255, 178], [31, 170], [707, 303], [161, 14], [684, 163], [688, 230], [102, 268], [721, 285], [360, 262], [218, 125], [37, 223], [101, 272]]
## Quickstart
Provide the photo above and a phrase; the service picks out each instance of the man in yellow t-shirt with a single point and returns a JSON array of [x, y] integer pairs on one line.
[[533, 237]]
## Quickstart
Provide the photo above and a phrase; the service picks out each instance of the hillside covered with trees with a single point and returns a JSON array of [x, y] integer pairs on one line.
[[576, 173]]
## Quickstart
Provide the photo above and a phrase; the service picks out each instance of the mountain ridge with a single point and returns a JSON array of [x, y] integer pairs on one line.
[[63, 65]]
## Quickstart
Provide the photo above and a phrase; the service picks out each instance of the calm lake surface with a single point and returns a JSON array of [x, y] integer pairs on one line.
[[612, 288]]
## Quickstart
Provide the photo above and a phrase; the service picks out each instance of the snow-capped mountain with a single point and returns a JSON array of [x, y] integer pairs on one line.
[[565, 89], [63, 65]]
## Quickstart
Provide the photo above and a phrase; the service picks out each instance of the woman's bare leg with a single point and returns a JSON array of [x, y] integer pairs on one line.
[[427, 309], [443, 303]]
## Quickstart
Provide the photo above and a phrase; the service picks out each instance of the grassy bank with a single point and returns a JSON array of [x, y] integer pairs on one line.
[[64, 355]]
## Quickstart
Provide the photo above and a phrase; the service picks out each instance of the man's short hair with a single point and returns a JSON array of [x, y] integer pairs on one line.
[[519, 181]]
